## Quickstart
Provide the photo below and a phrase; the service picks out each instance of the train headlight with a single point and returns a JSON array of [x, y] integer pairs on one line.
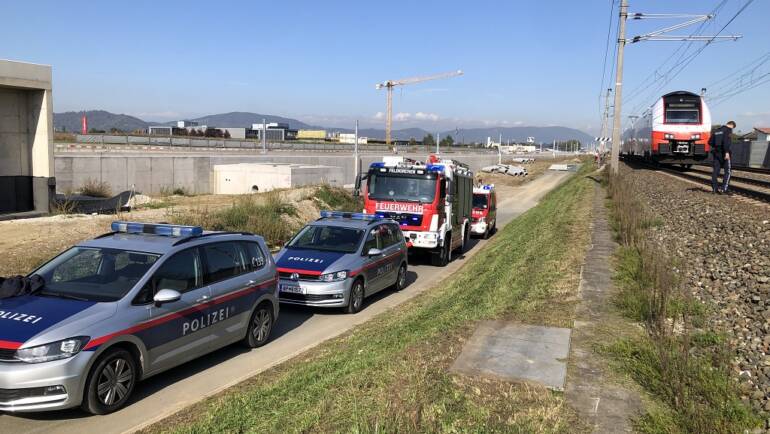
[[668, 136], [695, 137]]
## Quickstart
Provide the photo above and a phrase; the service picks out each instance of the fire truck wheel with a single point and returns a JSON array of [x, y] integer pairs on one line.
[[442, 255]]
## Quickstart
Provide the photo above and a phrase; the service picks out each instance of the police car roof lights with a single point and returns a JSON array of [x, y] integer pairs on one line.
[[156, 229], [348, 215]]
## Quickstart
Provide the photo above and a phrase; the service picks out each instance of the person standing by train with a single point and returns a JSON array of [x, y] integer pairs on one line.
[[721, 152]]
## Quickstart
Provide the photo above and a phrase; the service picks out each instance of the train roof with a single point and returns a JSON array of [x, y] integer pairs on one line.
[[680, 93]]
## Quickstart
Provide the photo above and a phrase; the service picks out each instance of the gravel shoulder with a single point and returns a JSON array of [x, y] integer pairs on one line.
[[723, 245]]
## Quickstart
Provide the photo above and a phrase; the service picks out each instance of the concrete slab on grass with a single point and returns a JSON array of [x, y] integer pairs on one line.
[[517, 352]]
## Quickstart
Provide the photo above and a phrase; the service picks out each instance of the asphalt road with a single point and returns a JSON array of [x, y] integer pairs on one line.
[[297, 330]]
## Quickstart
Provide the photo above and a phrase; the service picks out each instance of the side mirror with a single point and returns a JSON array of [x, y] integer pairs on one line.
[[166, 296], [374, 252], [357, 189]]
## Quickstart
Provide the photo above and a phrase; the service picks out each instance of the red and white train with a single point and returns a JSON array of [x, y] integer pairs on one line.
[[675, 130]]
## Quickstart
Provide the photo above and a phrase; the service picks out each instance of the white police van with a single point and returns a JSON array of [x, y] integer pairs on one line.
[[128, 305]]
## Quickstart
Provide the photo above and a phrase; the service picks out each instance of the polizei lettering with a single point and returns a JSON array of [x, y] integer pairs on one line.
[[16, 316], [301, 259], [414, 208], [206, 320]]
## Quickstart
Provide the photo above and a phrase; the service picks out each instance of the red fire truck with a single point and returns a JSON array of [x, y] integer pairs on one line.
[[484, 210], [432, 201]]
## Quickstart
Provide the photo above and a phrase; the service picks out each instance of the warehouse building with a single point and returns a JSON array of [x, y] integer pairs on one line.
[[27, 183], [311, 135], [275, 132]]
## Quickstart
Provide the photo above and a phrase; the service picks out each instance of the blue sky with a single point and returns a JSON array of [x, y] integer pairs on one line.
[[525, 62]]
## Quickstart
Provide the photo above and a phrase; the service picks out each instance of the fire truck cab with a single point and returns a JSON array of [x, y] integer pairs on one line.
[[432, 201], [484, 210]]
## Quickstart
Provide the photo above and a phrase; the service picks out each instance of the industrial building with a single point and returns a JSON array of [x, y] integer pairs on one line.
[[311, 135], [27, 183], [181, 128], [351, 139], [274, 131]]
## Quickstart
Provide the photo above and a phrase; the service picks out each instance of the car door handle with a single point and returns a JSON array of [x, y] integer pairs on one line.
[[202, 299]]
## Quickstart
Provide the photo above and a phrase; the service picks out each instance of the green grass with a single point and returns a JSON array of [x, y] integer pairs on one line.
[[338, 199], [392, 373], [263, 216], [684, 366]]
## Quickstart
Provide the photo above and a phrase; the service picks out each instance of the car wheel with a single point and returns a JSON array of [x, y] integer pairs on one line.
[[400, 278], [110, 382], [260, 326], [486, 233], [356, 301]]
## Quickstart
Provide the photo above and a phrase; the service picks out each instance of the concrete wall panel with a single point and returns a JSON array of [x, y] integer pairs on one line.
[[115, 170], [84, 169], [162, 173], [139, 173]]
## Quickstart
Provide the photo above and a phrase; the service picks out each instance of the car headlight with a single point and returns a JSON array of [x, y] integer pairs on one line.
[[334, 277], [668, 136], [53, 351], [695, 137]]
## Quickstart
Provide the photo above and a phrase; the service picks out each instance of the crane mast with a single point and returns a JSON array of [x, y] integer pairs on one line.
[[390, 84]]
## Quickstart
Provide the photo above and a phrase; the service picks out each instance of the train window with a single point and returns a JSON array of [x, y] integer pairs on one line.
[[682, 116]]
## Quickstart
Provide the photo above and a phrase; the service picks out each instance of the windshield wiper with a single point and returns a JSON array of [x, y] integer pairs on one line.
[[61, 295]]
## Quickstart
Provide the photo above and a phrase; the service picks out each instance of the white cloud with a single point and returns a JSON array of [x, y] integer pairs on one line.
[[401, 117], [426, 116], [379, 115], [517, 123]]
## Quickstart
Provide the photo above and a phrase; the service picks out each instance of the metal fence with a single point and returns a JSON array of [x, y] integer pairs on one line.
[[205, 142]]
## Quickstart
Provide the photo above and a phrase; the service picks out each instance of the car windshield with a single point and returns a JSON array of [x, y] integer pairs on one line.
[[94, 274], [480, 201], [328, 238], [414, 189], [679, 116]]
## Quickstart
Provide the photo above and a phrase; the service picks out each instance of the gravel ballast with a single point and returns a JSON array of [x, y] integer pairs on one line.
[[723, 245]]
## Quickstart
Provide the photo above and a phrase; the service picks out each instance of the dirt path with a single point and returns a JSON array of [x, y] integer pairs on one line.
[[608, 406]]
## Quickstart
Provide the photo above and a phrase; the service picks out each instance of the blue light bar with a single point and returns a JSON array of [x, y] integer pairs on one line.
[[435, 167], [348, 215], [377, 164], [156, 229], [488, 186]]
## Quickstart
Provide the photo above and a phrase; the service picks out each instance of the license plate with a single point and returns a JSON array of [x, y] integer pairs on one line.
[[294, 289]]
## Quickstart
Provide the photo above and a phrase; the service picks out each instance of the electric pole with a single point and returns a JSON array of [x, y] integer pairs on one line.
[[605, 122], [618, 87], [355, 150]]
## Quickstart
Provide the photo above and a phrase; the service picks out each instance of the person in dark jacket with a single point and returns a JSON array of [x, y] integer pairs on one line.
[[721, 152]]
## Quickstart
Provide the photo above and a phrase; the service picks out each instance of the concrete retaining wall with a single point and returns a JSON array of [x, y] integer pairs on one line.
[[150, 174]]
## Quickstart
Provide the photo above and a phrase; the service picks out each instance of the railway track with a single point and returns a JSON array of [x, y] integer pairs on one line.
[[760, 170], [742, 187], [765, 183]]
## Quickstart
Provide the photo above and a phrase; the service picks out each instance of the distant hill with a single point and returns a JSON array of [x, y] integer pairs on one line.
[[97, 119], [245, 119], [520, 134], [103, 120]]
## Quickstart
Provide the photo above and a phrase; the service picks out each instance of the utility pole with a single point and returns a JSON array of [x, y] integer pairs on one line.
[[623, 15], [264, 135], [438, 141], [355, 150], [605, 122]]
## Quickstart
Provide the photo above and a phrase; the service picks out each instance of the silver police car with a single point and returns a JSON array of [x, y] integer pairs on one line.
[[341, 258], [127, 305]]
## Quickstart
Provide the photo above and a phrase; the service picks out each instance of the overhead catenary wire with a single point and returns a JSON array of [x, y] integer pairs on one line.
[[644, 88], [675, 70]]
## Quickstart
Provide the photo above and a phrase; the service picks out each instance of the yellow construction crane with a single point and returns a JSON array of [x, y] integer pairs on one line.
[[390, 84]]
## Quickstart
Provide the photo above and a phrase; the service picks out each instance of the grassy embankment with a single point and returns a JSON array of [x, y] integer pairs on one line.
[[392, 373], [679, 361], [269, 215]]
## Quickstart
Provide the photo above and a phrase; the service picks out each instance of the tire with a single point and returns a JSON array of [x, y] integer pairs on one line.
[[486, 233], [356, 298], [400, 279], [260, 326], [443, 255], [110, 382]]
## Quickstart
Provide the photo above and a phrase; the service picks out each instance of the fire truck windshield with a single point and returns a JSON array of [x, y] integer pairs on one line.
[[384, 186], [480, 201]]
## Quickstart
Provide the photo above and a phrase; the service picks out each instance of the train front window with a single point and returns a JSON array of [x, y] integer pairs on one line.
[[682, 116]]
